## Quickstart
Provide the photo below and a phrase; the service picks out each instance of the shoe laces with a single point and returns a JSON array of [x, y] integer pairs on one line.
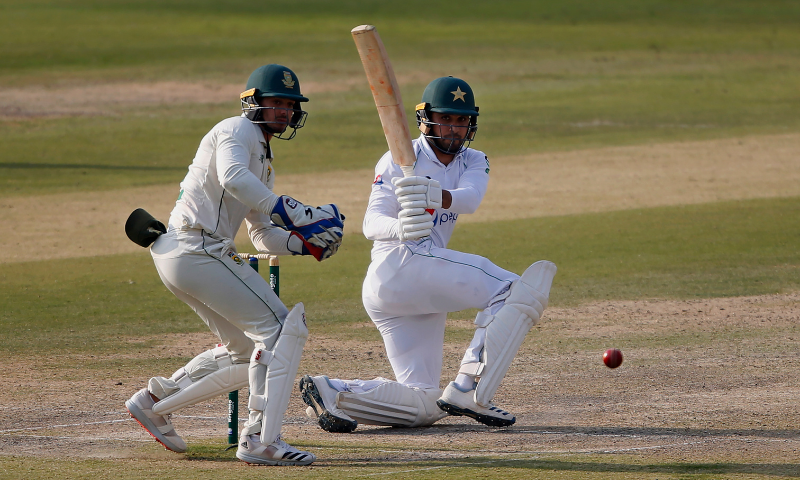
[[279, 441]]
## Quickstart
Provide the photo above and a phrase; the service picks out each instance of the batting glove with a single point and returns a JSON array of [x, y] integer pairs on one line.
[[414, 224], [418, 192]]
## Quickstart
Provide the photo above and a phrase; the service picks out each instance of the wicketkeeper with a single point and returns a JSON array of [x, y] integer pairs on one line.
[[231, 180], [414, 280]]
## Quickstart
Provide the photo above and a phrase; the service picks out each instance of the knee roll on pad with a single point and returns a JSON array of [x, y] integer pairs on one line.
[[506, 330], [207, 375], [392, 404]]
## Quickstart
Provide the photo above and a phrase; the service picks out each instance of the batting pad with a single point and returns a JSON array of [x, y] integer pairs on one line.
[[392, 404], [187, 389], [281, 370], [506, 332]]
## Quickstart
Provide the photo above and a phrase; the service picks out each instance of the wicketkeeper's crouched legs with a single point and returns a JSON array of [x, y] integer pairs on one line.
[[212, 373], [271, 375], [499, 335]]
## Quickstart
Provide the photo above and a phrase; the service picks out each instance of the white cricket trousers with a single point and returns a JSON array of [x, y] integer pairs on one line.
[[235, 302], [409, 291]]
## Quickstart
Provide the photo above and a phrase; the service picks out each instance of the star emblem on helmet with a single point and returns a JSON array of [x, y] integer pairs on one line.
[[458, 94]]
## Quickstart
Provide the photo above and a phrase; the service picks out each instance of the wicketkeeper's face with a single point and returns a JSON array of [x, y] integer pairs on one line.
[[277, 112]]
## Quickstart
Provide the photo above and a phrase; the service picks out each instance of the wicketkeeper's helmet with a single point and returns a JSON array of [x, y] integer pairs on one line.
[[452, 96], [273, 81]]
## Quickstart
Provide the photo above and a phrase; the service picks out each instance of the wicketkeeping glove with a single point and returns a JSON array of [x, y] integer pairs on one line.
[[415, 223], [418, 192], [300, 246], [319, 228]]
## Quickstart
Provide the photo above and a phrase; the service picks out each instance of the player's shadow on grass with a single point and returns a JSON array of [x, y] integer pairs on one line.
[[474, 465], [443, 429], [442, 456]]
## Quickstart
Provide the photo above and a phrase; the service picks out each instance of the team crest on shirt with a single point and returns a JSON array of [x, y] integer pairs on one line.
[[378, 180], [236, 258]]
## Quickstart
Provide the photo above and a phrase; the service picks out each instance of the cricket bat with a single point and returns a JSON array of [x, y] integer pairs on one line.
[[386, 93]]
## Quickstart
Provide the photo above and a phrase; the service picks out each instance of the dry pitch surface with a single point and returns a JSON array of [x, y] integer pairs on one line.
[[730, 400]]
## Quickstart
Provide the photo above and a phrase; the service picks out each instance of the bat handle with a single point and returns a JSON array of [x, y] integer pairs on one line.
[[408, 170]]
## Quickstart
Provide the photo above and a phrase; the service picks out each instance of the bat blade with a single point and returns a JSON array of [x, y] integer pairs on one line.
[[386, 94]]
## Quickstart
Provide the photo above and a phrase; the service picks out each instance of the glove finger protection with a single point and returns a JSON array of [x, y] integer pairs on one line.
[[414, 224], [328, 235], [411, 201], [315, 227], [318, 249], [415, 189]]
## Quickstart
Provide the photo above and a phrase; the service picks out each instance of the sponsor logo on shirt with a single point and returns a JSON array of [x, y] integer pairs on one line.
[[445, 217], [378, 180]]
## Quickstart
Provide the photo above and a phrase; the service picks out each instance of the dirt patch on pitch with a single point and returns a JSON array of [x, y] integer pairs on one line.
[[545, 184], [702, 381]]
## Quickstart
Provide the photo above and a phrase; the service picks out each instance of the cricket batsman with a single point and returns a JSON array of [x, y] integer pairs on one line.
[[414, 280]]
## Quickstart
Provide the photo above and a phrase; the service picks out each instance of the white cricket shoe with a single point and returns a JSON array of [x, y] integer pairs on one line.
[[140, 406], [459, 402], [318, 394], [252, 451]]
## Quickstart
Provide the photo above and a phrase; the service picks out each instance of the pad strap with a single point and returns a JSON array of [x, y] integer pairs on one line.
[[257, 402], [262, 356], [181, 377], [473, 369]]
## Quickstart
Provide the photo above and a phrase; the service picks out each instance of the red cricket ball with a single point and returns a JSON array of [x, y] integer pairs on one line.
[[612, 358]]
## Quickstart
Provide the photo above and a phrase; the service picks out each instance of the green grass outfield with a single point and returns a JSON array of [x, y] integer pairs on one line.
[[724, 249], [477, 467], [548, 76]]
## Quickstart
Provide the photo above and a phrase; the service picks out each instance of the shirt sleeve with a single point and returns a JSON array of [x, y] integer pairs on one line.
[[472, 185], [380, 219], [266, 236], [233, 161]]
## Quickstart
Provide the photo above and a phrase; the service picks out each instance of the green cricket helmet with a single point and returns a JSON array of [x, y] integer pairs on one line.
[[447, 95], [274, 81]]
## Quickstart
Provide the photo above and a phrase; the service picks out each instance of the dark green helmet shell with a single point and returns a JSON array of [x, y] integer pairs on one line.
[[450, 95], [275, 81]]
